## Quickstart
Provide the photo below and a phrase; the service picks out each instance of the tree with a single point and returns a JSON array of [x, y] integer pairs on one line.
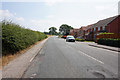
[[52, 30], [65, 29], [46, 33]]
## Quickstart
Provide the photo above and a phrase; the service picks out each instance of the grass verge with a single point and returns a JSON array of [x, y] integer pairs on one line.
[[7, 58]]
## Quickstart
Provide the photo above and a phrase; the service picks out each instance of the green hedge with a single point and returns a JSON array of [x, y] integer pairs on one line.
[[77, 39], [106, 33], [16, 38], [109, 42]]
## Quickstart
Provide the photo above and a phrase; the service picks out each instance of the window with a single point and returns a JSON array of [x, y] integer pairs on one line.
[[98, 28], [91, 29], [94, 29], [103, 28]]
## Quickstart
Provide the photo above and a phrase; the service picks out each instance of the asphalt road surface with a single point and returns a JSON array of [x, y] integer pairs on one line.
[[61, 59]]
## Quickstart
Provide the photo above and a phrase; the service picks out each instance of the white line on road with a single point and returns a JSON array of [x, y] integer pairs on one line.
[[31, 59], [34, 56], [92, 57], [107, 50], [89, 56]]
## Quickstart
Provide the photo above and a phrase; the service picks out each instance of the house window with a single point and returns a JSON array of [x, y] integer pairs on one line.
[[98, 28], [103, 28], [94, 29], [91, 29]]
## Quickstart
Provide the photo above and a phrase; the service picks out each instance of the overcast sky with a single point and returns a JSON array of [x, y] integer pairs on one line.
[[41, 14]]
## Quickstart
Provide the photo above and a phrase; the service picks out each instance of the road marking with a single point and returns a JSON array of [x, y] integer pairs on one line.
[[113, 53], [91, 57], [31, 59], [106, 50]]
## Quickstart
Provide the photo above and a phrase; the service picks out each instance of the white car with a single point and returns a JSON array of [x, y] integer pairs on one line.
[[70, 39]]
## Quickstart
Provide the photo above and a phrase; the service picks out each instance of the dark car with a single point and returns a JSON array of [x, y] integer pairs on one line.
[[70, 39]]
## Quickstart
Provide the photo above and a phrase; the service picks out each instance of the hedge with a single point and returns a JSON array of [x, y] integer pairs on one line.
[[106, 33], [16, 38], [109, 42], [77, 39]]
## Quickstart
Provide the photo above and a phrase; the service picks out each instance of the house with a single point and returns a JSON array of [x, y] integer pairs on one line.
[[74, 32], [82, 32], [109, 25], [71, 31], [89, 32]]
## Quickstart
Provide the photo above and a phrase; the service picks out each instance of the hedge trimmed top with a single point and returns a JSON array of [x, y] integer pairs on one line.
[[15, 38]]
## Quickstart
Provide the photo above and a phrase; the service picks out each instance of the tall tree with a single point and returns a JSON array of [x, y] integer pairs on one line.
[[52, 30], [65, 29]]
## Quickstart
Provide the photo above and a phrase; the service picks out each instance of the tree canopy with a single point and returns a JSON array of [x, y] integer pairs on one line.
[[52, 30], [65, 29]]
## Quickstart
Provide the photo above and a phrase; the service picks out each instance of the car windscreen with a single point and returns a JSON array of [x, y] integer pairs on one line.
[[70, 37]]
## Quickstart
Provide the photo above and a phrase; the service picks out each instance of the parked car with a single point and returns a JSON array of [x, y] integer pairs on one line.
[[70, 39], [64, 36]]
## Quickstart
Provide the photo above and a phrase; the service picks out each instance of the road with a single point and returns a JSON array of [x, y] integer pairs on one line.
[[61, 59]]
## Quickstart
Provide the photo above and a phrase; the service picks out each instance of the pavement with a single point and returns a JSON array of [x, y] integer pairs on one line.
[[61, 59], [16, 67], [104, 46]]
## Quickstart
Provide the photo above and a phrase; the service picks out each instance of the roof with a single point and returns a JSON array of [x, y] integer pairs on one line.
[[90, 26], [104, 21], [75, 29], [83, 28]]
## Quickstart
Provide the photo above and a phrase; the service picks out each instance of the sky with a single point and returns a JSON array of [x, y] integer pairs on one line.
[[40, 15]]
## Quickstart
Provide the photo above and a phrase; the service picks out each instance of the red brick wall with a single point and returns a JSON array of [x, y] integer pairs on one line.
[[101, 28], [113, 27]]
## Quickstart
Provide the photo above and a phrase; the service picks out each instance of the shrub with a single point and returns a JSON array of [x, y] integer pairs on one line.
[[16, 38], [77, 39], [109, 42], [106, 33]]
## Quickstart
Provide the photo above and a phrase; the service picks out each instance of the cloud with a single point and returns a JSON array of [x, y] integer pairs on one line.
[[73, 14], [104, 11], [50, 16], [44, 24], [5, 14], [20, 19], [52, 2], [56, 1]]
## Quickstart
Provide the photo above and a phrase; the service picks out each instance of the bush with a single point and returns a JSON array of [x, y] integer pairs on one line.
[[109, 42], [77, 39], [16, 38], [106, 33]]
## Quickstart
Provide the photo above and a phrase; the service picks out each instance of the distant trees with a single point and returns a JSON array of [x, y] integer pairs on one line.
[[52, 31], [47, 33], [65, 29]]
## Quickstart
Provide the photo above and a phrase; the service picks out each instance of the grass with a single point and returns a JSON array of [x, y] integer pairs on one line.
[[16, 40], [88, 41], [82, 40], [6, 59]]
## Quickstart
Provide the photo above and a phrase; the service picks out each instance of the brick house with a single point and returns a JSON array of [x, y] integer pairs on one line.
[[75, 32], [71, 31], [82, 32], [88, 32], [110, 25]]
